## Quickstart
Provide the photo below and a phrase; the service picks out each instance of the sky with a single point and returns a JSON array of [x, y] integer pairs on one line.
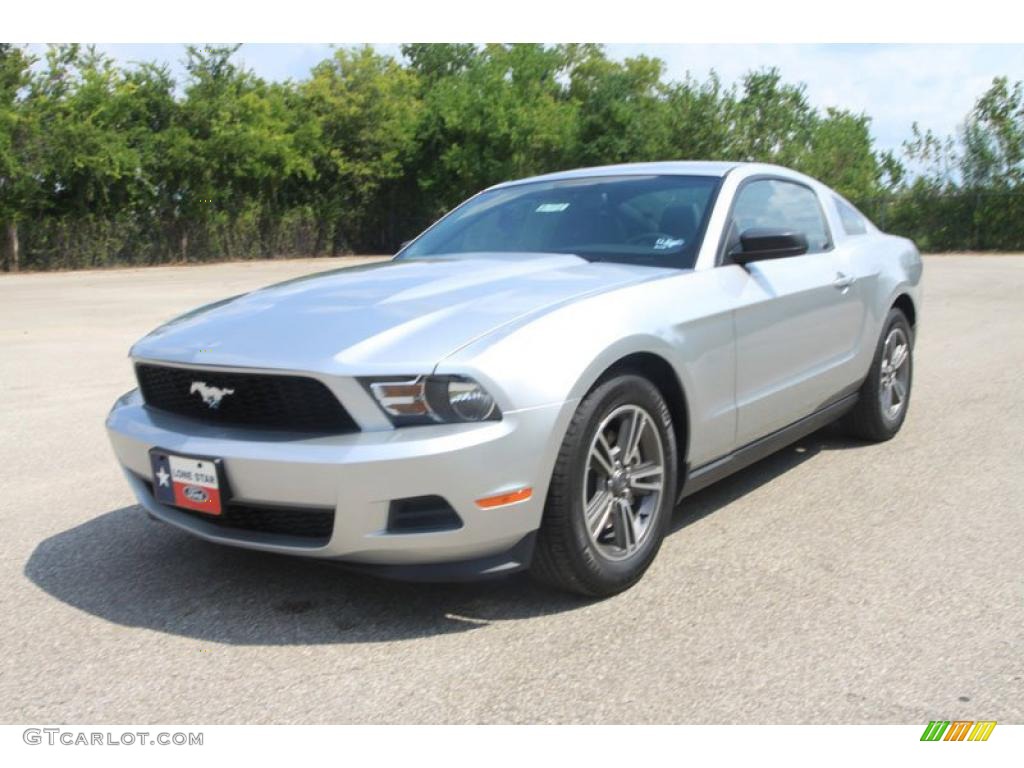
[[896, 85]]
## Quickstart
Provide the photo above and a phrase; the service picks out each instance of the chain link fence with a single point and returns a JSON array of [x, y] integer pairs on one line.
[[936, 221], [90, 242]]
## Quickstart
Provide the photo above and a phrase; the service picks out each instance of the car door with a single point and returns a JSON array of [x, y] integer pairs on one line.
[[797, 318]]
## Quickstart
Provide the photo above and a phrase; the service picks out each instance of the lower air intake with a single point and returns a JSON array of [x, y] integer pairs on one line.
[[422, 514]]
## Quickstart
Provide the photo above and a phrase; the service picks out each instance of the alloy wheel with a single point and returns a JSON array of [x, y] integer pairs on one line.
[[895, 374], [623, 481]]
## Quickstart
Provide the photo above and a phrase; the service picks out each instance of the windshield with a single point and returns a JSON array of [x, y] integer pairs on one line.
[[653, 220]]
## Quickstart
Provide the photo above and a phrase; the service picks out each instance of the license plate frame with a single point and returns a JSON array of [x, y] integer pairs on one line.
[[189, 481]]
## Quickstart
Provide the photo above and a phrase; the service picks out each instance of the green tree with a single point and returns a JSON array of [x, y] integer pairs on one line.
[[504, 115], [623, 114], [101, 163], [840, 153], [364, 110], [698, 119], [151, 116], [237, 150], [87, 156], [892, 172], [17, 137], [80, 163], [932, 159], [771, 121], [993, 137], [434, 61]]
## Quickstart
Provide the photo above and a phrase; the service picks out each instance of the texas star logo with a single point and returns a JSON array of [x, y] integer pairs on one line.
[[211, 395]]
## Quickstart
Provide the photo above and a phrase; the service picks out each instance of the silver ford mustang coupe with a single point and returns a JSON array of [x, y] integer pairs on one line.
[[534, 382]]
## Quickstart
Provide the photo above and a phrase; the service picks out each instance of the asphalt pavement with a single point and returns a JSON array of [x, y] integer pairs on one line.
[[835, 582]]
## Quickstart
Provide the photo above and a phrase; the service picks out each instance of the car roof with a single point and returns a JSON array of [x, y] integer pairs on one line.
[[673, 168], [666, 168]]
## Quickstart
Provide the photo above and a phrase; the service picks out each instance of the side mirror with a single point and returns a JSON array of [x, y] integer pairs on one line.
[[768, 243]]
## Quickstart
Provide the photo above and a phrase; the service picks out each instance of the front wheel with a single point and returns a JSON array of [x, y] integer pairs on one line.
[[612, 491], [885, 393]]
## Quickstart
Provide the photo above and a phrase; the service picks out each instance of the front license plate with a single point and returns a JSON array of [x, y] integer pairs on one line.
[[187, 481]]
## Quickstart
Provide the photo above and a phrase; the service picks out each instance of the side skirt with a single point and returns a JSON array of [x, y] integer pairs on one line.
[[700, 478]]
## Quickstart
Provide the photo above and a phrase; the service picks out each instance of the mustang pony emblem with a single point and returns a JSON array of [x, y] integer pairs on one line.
[[211, 395]]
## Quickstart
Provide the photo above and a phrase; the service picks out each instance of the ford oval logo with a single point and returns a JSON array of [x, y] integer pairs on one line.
[[195, 493]]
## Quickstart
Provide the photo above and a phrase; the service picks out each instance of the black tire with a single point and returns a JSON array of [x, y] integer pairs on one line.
[[869, 419], [565, 556]]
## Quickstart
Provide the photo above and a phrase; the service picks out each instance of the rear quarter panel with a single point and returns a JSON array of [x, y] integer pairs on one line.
[[886, 268]]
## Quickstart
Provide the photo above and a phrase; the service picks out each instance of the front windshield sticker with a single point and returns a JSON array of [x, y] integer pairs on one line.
[[551, 207], [664, 243]]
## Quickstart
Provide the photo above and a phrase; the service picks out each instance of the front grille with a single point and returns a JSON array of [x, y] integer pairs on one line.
[[285, 521], [315, 525], [258, 400]]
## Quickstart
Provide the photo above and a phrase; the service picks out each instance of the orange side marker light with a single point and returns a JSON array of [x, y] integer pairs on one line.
[[502, 499]]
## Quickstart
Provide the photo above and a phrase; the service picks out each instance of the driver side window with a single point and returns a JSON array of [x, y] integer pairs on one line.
[[785, 204]]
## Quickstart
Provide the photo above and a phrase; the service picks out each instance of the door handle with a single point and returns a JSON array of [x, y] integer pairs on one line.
[[842, 282]]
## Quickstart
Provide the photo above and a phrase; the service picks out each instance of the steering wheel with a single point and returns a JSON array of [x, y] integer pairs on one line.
[[651, 237]]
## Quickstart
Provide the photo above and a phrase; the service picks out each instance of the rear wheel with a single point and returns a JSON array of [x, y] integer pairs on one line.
[[885, 393], [612, 491]]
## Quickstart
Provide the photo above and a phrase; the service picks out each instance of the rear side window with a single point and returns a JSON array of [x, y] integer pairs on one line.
[[785, 204], [851, 218]]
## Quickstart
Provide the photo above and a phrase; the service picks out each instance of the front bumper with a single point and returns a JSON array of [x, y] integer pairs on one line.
[[358, 476]]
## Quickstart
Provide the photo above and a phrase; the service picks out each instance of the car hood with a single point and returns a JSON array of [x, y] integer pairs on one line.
[[386, 317]]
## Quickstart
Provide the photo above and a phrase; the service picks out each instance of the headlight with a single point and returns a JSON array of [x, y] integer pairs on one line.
[[433, 400]]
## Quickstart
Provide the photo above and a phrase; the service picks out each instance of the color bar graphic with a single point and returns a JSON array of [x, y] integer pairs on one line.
[[958, 730], [935, 730]]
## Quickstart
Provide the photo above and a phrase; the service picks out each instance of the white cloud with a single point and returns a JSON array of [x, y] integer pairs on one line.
[[935, 85]]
